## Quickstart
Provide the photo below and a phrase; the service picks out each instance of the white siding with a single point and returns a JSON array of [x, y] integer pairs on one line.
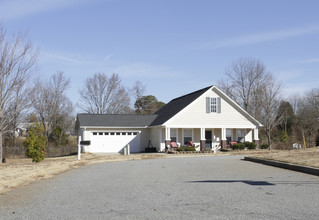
[[156, 138], [195, 116]]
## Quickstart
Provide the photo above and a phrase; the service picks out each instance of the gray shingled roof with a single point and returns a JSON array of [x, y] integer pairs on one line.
[[114, 120], [122, 120], [176, 105]]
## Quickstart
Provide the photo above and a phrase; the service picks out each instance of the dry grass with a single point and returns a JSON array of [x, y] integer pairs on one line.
[[19, 172], [308, 157]]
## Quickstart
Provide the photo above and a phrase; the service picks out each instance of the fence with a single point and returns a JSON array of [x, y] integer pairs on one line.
[[52, 151]]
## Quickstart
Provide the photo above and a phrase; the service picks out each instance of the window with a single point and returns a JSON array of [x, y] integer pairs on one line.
[[173, 135], [100, 133], [229, 136], [188, 135], [94, 133], [213, 105], [241, 135]]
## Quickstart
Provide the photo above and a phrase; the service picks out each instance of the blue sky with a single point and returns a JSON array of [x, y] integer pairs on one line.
[[172, 46]]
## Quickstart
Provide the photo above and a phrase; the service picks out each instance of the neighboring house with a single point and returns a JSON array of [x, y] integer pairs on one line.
[[203, 117], [23, 128]]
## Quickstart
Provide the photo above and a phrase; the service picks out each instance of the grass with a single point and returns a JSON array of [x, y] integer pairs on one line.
[[308, 157]]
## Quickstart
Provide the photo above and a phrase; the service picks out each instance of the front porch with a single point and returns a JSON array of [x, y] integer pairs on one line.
[[207, 138]]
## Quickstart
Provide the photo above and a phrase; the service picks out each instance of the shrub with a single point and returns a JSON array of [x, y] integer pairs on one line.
[[189, 148], [58, 137], [239, 146], [264, 146], [250, 145], [35, 143], [179, 149]]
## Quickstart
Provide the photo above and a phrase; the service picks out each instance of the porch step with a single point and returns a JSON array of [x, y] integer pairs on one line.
[[190, 152]]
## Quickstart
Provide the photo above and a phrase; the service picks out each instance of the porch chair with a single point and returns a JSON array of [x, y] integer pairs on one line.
[[174, 145]]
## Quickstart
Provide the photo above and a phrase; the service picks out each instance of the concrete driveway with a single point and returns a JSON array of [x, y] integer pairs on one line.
[[206, 187]]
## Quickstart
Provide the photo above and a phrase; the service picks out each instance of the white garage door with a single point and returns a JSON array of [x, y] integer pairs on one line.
[[115, 141]]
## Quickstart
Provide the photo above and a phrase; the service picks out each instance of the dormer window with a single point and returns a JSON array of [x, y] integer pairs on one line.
[[213, 105]]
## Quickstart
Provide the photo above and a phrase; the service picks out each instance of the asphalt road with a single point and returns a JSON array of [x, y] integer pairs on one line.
[[223, 187]]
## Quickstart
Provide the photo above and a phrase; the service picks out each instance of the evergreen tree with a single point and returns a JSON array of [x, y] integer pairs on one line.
[[35, 143]]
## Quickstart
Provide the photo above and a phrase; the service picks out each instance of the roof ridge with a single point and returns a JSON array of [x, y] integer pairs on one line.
[[192, 93], [111, 114]]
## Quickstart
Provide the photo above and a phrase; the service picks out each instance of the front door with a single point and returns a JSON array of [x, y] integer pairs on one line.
[[208, 137]]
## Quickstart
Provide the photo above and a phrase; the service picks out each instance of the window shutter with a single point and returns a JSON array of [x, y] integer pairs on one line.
[[207, 104], [219, 107]]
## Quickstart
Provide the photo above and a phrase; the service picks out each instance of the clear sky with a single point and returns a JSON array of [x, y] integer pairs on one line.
[[172, 46]]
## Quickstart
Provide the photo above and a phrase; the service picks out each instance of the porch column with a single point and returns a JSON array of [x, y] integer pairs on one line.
[[256, 137], [167, 137], [223, 140], [202, 139]]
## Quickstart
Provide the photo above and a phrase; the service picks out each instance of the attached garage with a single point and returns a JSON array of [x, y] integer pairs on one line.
[[111, 133], [114, 141]]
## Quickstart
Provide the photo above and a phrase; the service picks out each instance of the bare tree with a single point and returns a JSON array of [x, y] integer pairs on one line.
[[270, 100], [243, 82], [17, 62], [251, 86], [104, 95], [51, 105], [307, 111], [138, 91], [18, 108]]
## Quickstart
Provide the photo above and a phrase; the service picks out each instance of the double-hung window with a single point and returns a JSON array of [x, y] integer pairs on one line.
[[241, 133], [213, 105], [173, 135], [187, 135]]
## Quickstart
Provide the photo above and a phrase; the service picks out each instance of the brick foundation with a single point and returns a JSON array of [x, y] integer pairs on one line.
[[202, 145], [223, 144]]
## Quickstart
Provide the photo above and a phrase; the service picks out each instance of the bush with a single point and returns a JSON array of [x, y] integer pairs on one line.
[[179, 149], [189, 148], [58, 137], [239, 146], [35, 143], [250, 145], [264, 146]]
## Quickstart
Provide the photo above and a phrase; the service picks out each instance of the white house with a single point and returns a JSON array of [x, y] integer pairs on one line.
[[202, 117]]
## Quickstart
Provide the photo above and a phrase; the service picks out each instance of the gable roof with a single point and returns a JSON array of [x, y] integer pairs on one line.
[[176, 105], [158, 118], [114, 120]]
